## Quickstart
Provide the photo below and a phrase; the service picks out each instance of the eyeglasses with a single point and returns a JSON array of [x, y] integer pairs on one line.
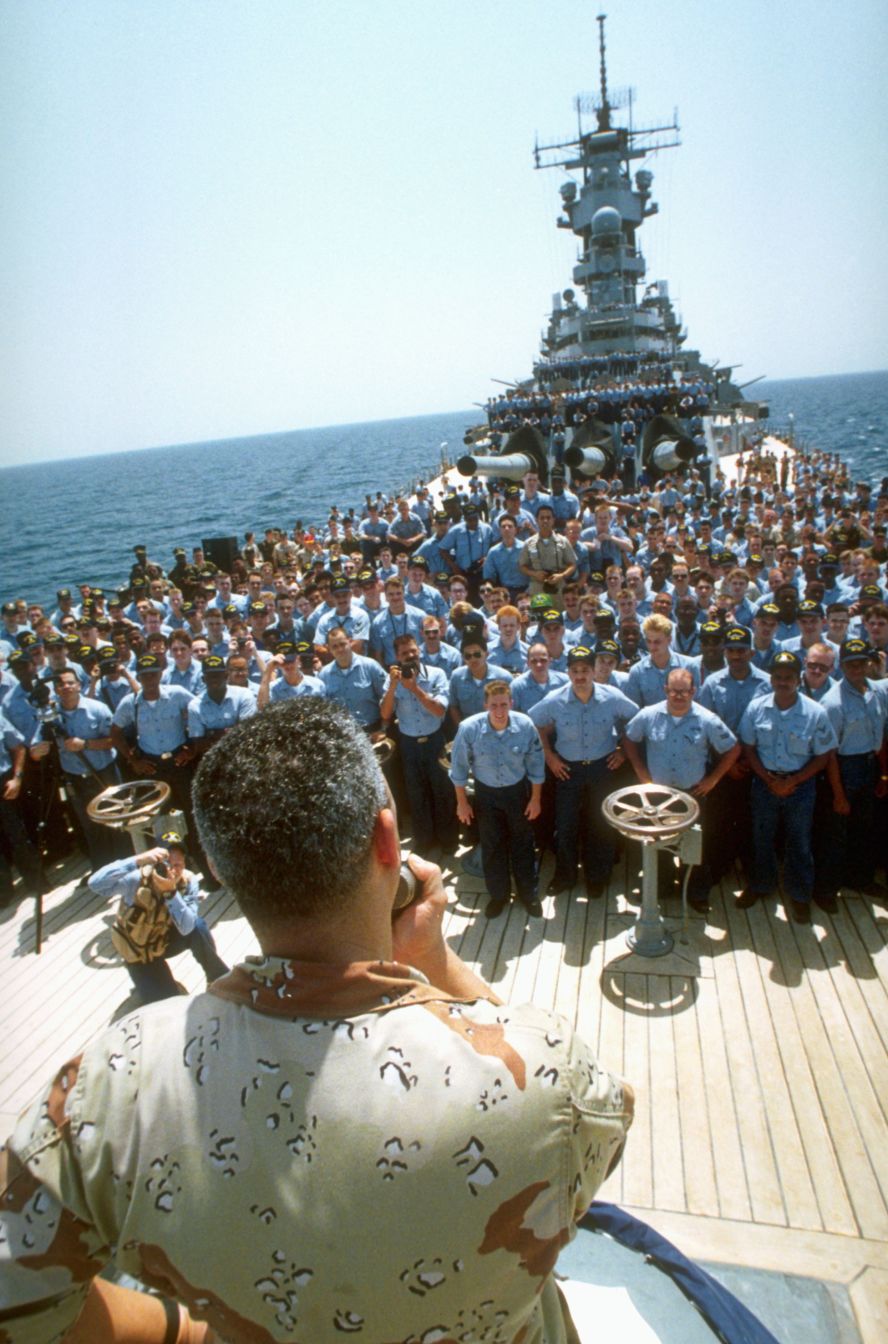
[[818, 667], [473, 656], [678, 695]]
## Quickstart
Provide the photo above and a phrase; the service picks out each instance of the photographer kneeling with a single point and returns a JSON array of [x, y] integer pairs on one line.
[[157, 917]]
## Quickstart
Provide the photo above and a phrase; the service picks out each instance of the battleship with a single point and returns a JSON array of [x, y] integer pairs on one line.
[[757, 1048], [615, 389]]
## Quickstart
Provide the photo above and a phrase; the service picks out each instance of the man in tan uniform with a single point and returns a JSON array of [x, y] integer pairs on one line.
[[346, 1134]]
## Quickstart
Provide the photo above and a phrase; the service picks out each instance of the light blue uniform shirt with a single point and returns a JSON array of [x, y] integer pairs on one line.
[[359, 687], [468, 546], [427, 600], [205, 715], [858, 721], [514, 660], [467, 692], [122, 878], [526, 692], [678, 746], [91, 719], [497, 759], [191, 678], [646, 684], [160, 724], [447, 658], [356, 624], [763, 658], [501, 566], [21, 714], [413, 718], [10, 738], [728, 696], [112, 692], [282, 690], [585, 732], [387, 626], [786, 739]]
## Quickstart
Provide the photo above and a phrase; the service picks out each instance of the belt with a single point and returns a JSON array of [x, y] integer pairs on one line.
[[783, 774], [164, 755]]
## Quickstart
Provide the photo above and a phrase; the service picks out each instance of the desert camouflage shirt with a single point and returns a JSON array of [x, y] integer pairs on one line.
[[308, 1152]]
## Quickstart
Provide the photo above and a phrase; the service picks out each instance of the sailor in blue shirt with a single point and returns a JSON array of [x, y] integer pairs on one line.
[[419, 696], [535, 684], [728, 692], [501, 565], [219, 707], [354, 681], [114, 684], [532, 499], [16, 844], [397, 619], [787, 740], [82, 733], [502, 750], [18, 705], [430, 549], [178, 891], [467, 543], [680, 739], [581, 726], [287, 674], [347, 614], [420, 594], [765, 646], [507, 649], [646, 683], [434, 651], [564, 502], [372, 533], [845, 853], [185, 670], [467, 683]]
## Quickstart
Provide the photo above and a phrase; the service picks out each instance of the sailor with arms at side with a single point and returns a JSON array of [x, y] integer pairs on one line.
[[502, 750]]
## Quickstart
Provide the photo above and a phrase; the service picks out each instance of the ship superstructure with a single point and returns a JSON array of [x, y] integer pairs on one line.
[[614, 389]]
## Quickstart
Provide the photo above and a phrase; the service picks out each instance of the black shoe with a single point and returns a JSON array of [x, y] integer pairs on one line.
[[533, 908], [746, 900], [595, 890], [801, 911], [494, 907], [827, 902], [558, 885], [699, 903]]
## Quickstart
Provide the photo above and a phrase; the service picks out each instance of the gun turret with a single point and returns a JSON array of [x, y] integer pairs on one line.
[[591, 452], [523, 451], [665, 446]]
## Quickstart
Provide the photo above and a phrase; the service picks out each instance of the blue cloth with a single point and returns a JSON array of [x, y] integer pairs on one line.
[[10, 738], [191, 678], [797, 813], [414, 719], [205, 715], [159, 724], [359, 687], [858, 721], [646, 684], [427, 600], [467, 692], [497, 759], [447, 658], [785, 740], [91, 719], [282, 690], [386, 627], [501, 566], [468, 546], [533, 504], [123, 878], [112, 692], [514, 660], [728, 696], [763, 658], [21, 714], [585, 732], [355, 623], [678, 747], [430, 549]]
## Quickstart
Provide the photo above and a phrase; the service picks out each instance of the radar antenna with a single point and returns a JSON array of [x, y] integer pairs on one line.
[[604, 111]]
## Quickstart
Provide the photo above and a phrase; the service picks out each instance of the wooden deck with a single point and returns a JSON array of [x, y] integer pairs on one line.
[[757, 1050]]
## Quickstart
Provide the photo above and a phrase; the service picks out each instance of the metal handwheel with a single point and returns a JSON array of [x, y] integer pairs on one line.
[[122, 806], [650, 811]]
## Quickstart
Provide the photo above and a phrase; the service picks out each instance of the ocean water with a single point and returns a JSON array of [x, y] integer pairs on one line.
[[77, 520]]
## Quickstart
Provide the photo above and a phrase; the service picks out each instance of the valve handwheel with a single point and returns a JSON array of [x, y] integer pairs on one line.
[[650, 811], [124, 805]]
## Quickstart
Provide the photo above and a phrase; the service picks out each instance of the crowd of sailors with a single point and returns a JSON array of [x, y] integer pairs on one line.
[[625, 402], [526, 650]]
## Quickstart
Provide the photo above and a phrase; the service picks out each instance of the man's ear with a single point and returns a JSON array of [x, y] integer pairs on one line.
[[386, 841]]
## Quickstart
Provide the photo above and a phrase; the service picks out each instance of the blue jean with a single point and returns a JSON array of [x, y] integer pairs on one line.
[[846, 845], [154, 979], [506, 840], [580, 828], [797, 812]]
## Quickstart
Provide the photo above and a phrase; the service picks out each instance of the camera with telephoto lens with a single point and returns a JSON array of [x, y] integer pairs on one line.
[[40, 698]]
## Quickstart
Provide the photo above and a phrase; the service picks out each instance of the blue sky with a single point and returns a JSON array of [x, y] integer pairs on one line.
[[229, 218]]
